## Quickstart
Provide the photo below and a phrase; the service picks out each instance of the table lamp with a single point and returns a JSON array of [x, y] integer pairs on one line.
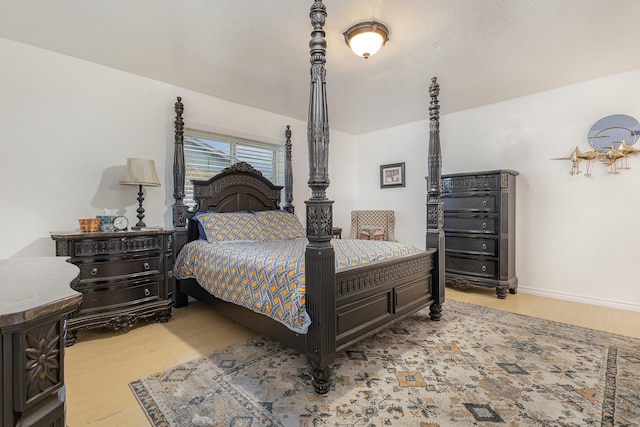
[[140, 172]]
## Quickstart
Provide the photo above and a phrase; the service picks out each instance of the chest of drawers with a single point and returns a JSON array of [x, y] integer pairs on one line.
[[124, 277], [479, 225]]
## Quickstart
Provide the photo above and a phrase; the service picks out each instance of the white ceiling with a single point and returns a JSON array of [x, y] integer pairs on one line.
[[255, 52]]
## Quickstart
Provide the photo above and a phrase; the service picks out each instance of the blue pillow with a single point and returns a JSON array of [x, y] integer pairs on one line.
[[201, 233]]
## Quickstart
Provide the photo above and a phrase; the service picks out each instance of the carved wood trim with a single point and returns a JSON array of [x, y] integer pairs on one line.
[[485, 182], [179, 169], [288, 174], [206, 189], [117, 246], [352, 283], [62, 248], [43, 359]]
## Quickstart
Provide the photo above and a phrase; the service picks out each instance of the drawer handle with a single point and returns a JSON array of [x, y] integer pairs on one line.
[[484, 203], [484, 246], [484, 225], [147, 292], [146, 265], [484, 268], [94, 271]]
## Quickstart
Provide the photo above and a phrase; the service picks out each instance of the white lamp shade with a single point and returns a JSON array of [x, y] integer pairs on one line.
[[141, 172], [366, 44], [366, 38]]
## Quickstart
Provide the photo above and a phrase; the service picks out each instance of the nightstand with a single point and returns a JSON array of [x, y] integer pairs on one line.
[[124, 277]]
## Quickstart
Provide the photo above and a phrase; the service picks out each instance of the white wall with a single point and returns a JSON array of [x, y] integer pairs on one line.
[[408, 144], [577, 237], [68, 126]]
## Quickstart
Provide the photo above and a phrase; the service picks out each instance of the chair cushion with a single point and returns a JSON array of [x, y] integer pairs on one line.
[[370, 232]]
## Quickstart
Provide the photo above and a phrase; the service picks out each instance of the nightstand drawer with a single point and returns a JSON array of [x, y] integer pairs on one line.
[[471, 266], [472, 245], [115, 246], [471, 224], [125, 295], [135, 267], [474, 203]]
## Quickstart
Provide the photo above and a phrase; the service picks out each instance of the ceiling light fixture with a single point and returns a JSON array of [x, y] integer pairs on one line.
[[366, 38]]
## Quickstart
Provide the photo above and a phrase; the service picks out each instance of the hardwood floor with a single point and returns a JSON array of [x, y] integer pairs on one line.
[[99, 367]]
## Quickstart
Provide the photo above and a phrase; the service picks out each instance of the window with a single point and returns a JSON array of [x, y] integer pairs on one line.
[[206, 154]]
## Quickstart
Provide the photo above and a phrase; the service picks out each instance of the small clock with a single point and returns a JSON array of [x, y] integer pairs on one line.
[[120, 223]]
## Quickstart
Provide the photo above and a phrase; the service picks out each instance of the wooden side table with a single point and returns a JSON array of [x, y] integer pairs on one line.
[[337, 232], [125, 276], [36, 298]]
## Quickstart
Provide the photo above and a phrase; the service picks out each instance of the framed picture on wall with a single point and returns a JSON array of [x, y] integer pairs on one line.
[[392, 175]]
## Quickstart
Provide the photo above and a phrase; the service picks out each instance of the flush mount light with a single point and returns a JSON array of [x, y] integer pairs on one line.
[[366, 38]]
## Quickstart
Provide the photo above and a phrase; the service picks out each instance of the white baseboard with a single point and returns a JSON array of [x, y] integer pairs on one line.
[[581, 299]]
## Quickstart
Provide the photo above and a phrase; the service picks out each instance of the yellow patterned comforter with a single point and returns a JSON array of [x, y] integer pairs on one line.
[[268, 277]]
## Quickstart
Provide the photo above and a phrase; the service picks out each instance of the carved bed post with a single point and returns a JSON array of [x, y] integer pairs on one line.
[[288, 174], [435, 207], [319, 255], [179, 208]]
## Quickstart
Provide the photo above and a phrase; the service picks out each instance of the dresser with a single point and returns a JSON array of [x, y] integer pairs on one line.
[[125, 277], [37, 294], [479, 225]]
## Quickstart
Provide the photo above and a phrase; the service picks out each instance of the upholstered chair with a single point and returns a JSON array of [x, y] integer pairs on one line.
[[373, 225]]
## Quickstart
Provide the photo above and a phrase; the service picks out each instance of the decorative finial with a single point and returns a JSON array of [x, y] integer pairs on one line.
[[434, 106]]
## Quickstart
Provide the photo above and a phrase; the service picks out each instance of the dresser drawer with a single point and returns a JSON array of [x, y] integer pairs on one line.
[[471, 203], [125, 294], [471, 224], [472, 245], [471, 266], [120, 245], [114, 269]]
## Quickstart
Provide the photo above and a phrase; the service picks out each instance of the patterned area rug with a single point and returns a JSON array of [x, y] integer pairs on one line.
[[477, 366]]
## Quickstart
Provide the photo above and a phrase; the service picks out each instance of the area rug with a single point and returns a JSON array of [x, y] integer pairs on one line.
[[477, 366]]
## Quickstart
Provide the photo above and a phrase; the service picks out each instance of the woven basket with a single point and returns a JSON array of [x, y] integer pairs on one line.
[[89, 224]]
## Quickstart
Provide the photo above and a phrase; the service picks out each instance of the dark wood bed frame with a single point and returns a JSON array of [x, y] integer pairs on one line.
[[344, 306]]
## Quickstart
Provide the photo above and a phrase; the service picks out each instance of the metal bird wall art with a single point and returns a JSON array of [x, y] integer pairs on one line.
[[628, 151], [576, 157], [612, 139], [614, 157], [611, 158]]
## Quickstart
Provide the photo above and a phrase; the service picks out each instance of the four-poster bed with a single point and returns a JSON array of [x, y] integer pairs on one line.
[[344, 304]]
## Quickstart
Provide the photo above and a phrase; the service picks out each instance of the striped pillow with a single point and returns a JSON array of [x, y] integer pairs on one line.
[[219, 227], [280, 225]]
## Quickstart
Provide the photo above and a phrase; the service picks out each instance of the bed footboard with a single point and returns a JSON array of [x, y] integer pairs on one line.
[[371, 297]]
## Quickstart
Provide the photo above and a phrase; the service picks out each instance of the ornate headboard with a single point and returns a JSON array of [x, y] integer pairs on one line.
[[237, 188]]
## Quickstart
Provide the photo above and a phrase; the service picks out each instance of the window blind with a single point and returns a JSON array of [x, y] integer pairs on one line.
[[207, 153]]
